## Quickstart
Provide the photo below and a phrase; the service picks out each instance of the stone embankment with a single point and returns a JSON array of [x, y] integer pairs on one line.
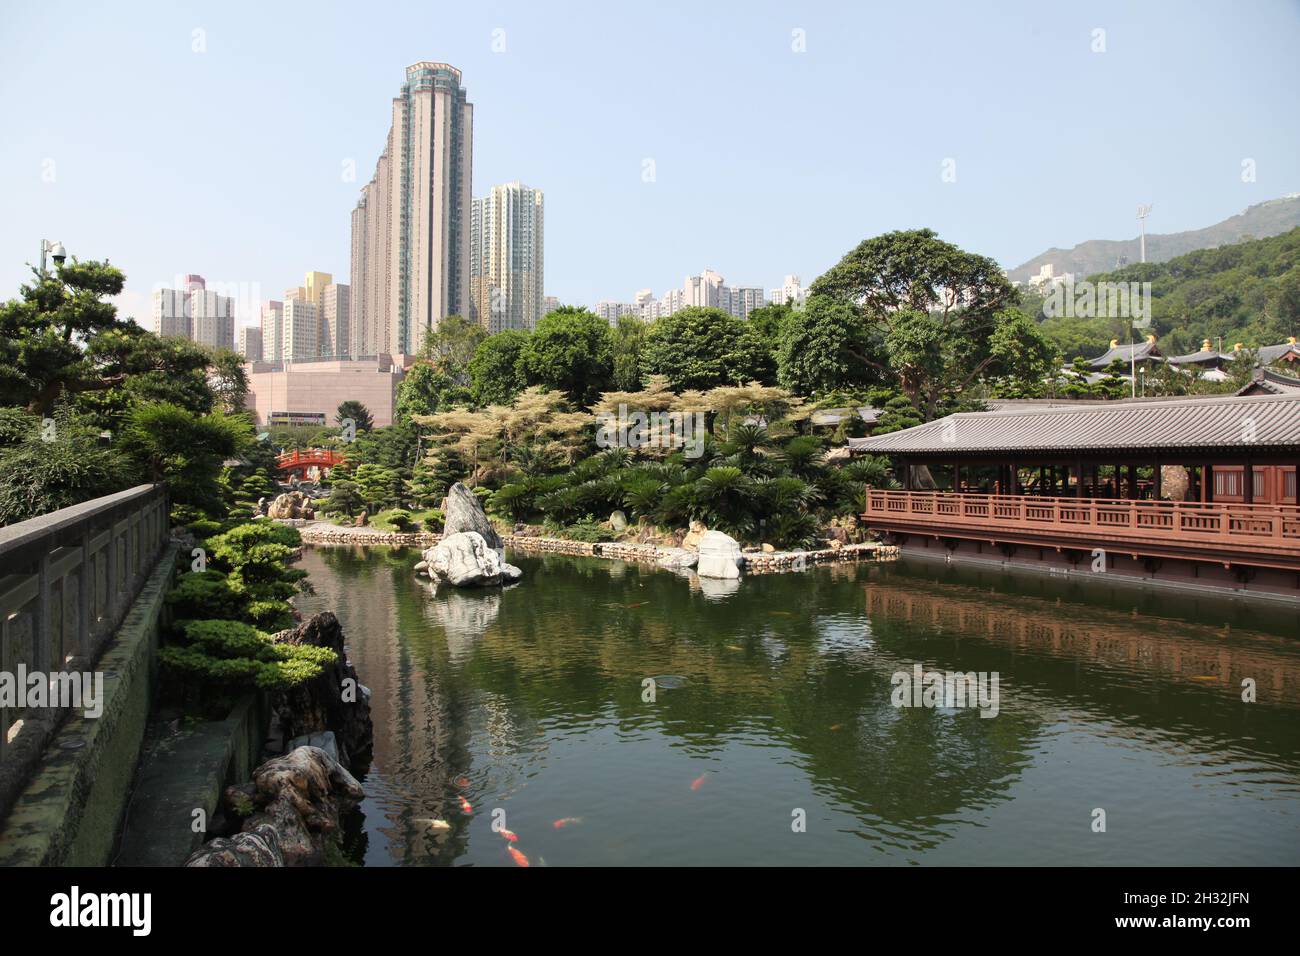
[[756, 562]]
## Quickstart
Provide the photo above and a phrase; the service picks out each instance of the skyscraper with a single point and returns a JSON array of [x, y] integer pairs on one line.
[[301, 330], [506, 258], [195, 313], [410, 229], [250, 343], [334, 309], [273, 331]]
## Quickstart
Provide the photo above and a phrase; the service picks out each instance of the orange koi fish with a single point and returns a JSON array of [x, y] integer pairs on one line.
[[566, 821], [465, 806], [519, 858], [698, 781], [510, 835]]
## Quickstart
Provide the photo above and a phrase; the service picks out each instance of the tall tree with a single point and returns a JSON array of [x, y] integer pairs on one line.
[[933, 306], [496, 372], [357, 413], [570, 351], [700, 348]]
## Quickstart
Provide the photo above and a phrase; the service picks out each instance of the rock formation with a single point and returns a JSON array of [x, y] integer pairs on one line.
[[464, 512], [692, 540], [291, 504], [720, 556], [335, 701], [297, 800], [466, 560]]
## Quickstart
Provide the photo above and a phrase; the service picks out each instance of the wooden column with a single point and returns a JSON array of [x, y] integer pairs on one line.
[[1247, 483]]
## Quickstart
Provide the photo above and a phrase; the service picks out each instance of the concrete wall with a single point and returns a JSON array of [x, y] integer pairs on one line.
[[70, 811]]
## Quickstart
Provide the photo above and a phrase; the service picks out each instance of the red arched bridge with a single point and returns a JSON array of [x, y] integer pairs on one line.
[[301, 460]]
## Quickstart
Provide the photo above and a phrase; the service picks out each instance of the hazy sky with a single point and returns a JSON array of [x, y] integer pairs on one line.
[[126, 142]]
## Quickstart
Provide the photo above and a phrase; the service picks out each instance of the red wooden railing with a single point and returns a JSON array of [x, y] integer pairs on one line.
[[1216, 526], [302, 459]]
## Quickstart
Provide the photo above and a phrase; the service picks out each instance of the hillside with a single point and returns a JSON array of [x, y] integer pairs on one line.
[[1260, 221], [1248, 292]]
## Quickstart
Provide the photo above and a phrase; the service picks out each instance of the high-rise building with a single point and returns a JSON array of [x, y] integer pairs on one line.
[[741, 300], [790, 291], [549, 304], [410, 228], [212, 319], [195, 313], [171, 313], [506, 258], [334, 310], [273, 331], [250, 343], [301, 330]]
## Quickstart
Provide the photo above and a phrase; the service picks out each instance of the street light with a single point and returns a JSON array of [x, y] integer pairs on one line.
[[56, 252], [1143, 212]]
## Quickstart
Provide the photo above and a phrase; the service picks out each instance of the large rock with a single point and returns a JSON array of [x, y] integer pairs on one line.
[[257, 847], [720, 556], [334, 702], [618, 521], [464, 512], [692, 540], [298, 801], [291, 504], [465, 560]]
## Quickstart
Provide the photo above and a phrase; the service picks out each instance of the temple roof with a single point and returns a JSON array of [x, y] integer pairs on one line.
[[1221, 421]]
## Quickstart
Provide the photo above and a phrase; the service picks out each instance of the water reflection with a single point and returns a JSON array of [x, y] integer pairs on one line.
[[777, 693]]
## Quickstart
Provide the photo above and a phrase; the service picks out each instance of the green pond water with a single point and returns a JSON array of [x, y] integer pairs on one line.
[[772, 706]]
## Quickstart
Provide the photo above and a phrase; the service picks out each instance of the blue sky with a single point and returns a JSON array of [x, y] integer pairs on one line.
[[124, 142]]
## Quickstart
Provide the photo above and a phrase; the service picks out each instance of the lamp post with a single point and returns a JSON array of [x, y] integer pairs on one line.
[[55, 251], [1143, 212]]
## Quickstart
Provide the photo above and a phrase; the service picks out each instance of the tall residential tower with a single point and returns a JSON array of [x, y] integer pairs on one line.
[[506, 258], [410, 228]]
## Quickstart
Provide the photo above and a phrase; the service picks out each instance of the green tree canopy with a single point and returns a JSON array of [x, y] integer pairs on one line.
[[700, 348], [932, 306], [570, 351], [496, 371]]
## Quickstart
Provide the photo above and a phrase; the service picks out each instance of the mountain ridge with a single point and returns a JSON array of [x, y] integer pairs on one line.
[[1260, 221]]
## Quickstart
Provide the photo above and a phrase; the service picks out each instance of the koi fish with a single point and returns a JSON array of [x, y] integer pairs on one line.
[[733, 647], [519, 858], [438, 826], [1205, 677], [566, 821], [698, 781], [638, 604], [462, 782], [782, 613], [465, 806], [835, 727], [510, 835]]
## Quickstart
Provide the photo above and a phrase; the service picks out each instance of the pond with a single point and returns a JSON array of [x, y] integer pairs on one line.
[[770, 733]]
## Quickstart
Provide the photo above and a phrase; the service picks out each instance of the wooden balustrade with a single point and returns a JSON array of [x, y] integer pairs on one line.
[[1213, 527]]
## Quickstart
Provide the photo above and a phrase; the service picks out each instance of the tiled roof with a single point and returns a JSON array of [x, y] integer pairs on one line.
[[1221, 421], [1268, 382], [1127, 354]]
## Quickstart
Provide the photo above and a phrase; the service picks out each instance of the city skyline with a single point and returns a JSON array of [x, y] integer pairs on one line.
[[780, 203]]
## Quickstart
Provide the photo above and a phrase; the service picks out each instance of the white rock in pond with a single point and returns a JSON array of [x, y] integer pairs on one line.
[[720, 556], [465, 560]]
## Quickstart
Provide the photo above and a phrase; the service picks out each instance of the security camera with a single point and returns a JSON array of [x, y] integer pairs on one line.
[[58, 254]]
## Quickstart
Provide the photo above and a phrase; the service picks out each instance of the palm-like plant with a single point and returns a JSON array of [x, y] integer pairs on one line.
[[724, 497], [804, 456], [642, 495]]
